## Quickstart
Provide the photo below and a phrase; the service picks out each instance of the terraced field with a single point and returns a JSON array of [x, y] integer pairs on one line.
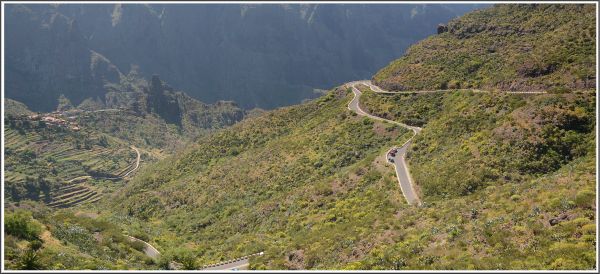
[[63, 168], [72, 195]]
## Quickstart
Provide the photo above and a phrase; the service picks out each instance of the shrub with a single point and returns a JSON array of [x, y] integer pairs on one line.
[[22, 225], [585, 198], [35, 245], [29, 260]]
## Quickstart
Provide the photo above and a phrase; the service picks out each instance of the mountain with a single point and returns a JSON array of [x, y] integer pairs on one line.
[[509, 47], [44, 150], [499, 174], [154, 115], [258, 55], [507, 180], [15, 108], [47, 56]]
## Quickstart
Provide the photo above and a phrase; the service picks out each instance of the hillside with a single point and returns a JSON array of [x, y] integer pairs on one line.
[[267, 184], [41, 239], [354, 217], [507, 47], [507, 181], [59, 163], [153, 115], [52, 152], [294, 174], [15, 108], [493, 137]]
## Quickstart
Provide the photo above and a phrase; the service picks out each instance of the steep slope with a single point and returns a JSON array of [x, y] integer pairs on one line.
[[15, 108], [40, 239], [507, 182], [46, 56], [258, 55], [59, 163], [490, 137], [507, 47], [153, 115], [295, 174], [282, 186]]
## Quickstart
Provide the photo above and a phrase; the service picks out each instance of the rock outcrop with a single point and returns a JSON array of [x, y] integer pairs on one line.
[[441, 28]]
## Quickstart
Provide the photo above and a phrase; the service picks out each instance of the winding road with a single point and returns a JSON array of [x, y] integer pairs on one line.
[[137, 162], [377, 89], [149, 250], [402, 173]]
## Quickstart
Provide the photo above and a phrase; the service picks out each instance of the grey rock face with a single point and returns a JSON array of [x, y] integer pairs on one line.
[[258, 55]]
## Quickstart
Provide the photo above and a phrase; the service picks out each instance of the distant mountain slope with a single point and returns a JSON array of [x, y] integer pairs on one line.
[[154, 115], [257, 55], [507, 47], [15, 108], [47, 56]]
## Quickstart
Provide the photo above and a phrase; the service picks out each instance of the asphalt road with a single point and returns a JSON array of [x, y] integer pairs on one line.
[[149, 250], [241, 263], [237, 265], [404, 179], [402, 173]]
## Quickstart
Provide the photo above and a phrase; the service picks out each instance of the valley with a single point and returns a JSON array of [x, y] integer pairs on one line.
[[474, 150]]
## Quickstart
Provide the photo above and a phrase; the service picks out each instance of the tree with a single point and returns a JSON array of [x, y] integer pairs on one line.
[[21, 225], [64, 103]]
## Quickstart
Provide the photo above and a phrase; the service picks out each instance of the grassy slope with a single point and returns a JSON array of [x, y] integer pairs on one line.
[[149, 132], [501, 227], [494, 169], [507, 47], [253, 197], [489, 138], [72, 241], [308, 178]]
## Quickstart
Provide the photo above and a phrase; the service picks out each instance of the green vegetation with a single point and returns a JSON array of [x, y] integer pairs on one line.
[[507, 180], [506, 47], [500, 175], [276, 182], [19, 224], [149, 131], [58, 165], [15, 108], [505, 226], [411, 109], [68, 241], [474, 139], [153, 115]]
